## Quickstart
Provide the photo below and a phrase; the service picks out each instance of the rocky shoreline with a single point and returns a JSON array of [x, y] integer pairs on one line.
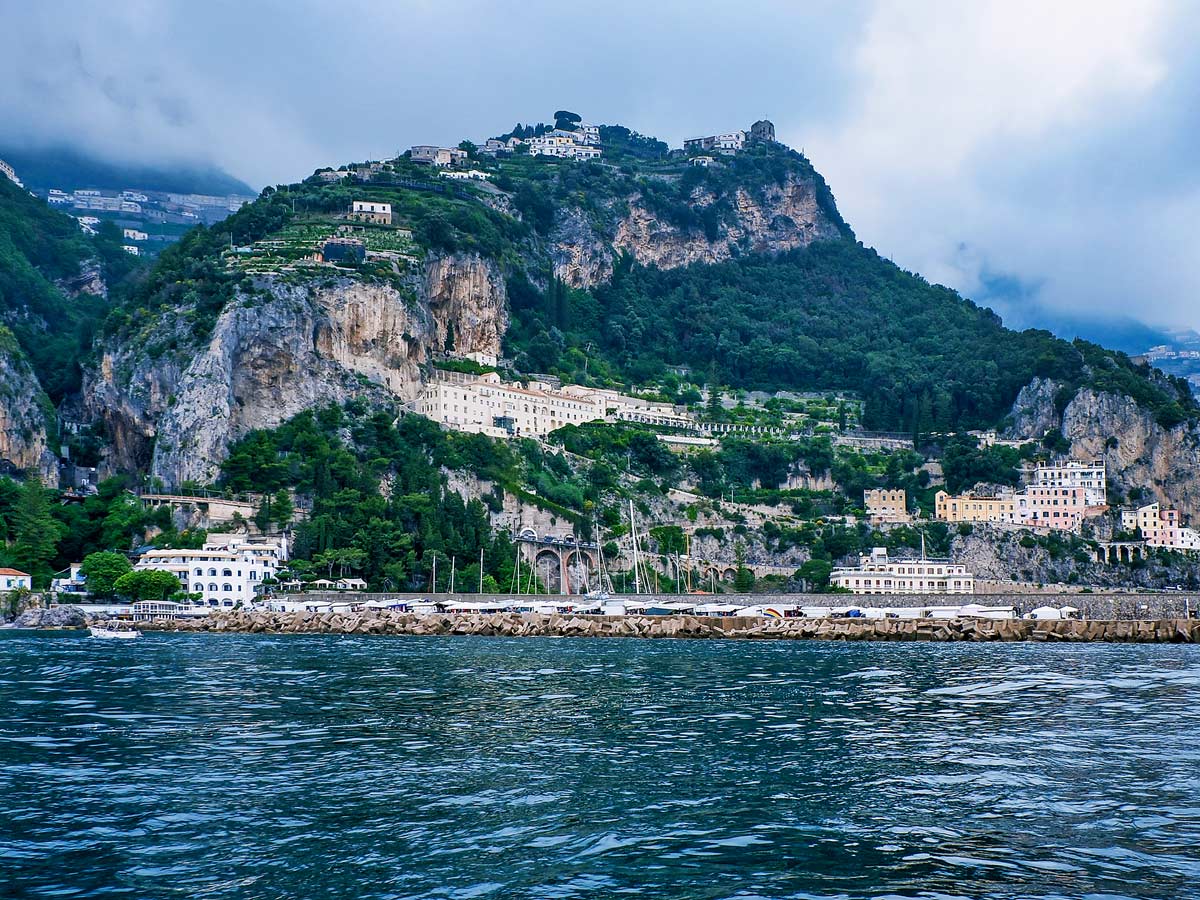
[[386, 622]]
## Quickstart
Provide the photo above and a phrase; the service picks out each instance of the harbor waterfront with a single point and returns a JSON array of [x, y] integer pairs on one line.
[[300, 766]]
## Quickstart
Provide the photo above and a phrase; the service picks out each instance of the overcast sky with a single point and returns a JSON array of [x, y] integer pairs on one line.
[[1032, 155]]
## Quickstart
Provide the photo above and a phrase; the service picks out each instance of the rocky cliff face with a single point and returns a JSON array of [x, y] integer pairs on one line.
[[783, 217], [283, 348], [25, 418], [1034, 412], [1136, 449], [1138, 452]]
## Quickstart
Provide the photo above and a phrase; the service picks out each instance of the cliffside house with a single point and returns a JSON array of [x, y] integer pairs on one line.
[[729, 142], [1060, 508], [1160, 527], [485, 405], [1090, 477], [437, 156], [886, 507], [8, 172], [877, 574], [15, 579], [370, 211]]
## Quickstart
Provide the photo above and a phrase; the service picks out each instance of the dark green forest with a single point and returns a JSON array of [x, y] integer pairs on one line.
[[40, 246], [834, 315]]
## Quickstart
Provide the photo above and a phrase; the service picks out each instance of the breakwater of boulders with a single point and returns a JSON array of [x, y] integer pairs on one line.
[[387, 622]]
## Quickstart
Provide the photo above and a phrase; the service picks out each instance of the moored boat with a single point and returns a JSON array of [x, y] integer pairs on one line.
[[114, 632]]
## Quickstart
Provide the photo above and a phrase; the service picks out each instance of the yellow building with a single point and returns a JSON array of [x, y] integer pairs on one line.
[[971, 508], [886, 507]]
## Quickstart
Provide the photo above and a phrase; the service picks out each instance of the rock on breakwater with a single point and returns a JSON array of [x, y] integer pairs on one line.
[[387, 622]]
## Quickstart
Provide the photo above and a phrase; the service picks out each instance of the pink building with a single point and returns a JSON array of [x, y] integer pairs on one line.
[[1051, 507]]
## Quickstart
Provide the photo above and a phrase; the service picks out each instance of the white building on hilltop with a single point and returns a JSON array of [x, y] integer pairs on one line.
[[1071, 474], [877, 574], [8, 172], [229, 570]]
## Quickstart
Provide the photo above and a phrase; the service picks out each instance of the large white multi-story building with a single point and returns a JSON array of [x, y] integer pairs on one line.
[[1089, 476], [228, 571], [1160, 527], [485, 405], [877, 574]]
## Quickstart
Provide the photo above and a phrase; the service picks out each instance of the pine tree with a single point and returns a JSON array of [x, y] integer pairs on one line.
[[35, 532]]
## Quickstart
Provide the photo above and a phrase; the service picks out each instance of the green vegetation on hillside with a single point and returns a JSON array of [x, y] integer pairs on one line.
[[834, 315], [38, 247]]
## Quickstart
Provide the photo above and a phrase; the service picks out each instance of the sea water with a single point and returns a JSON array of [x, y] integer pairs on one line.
[[223, 766]]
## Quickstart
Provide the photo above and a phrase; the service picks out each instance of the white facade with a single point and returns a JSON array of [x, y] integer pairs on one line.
[[563, 144], [485, 405], [132, 234], [370, 211], [7, 171], [731, 141], [1071, 474], [131, 249], [876, 574], [14, 579], [228, 571]]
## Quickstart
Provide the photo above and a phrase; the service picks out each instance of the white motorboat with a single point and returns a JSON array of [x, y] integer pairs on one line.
[[114, 632]]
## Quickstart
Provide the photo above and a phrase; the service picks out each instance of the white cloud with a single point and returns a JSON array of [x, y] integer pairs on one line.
[[955, 157]]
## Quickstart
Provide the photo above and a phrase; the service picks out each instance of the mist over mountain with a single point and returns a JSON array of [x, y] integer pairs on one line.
[[68, 168]]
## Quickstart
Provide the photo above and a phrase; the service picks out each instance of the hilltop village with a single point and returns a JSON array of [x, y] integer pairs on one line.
[[593, 481]]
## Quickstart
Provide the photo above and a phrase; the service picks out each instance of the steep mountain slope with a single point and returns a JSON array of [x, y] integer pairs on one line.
[[610, 271], [53, 295]]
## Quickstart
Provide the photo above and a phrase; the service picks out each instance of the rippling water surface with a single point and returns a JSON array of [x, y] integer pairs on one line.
[[220, 766]]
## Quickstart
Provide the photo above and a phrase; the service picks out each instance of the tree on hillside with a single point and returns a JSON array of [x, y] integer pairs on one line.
[[147, 584], [815, 575], [102, 570], [565, 119], [35, 531]]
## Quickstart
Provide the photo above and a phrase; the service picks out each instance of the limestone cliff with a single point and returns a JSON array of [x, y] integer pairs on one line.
[[280, 348], [1138, 452], [778, 218], [26, 416]]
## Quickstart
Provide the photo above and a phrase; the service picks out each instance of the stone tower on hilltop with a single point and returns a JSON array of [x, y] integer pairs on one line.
[[762, 130]]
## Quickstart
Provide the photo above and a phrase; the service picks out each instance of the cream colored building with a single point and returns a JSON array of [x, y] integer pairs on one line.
[[1035, 507], [1160, 527], [370, 211], [618, 407], [877, 574], [971, 508], [886, 507], [485, 405]]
